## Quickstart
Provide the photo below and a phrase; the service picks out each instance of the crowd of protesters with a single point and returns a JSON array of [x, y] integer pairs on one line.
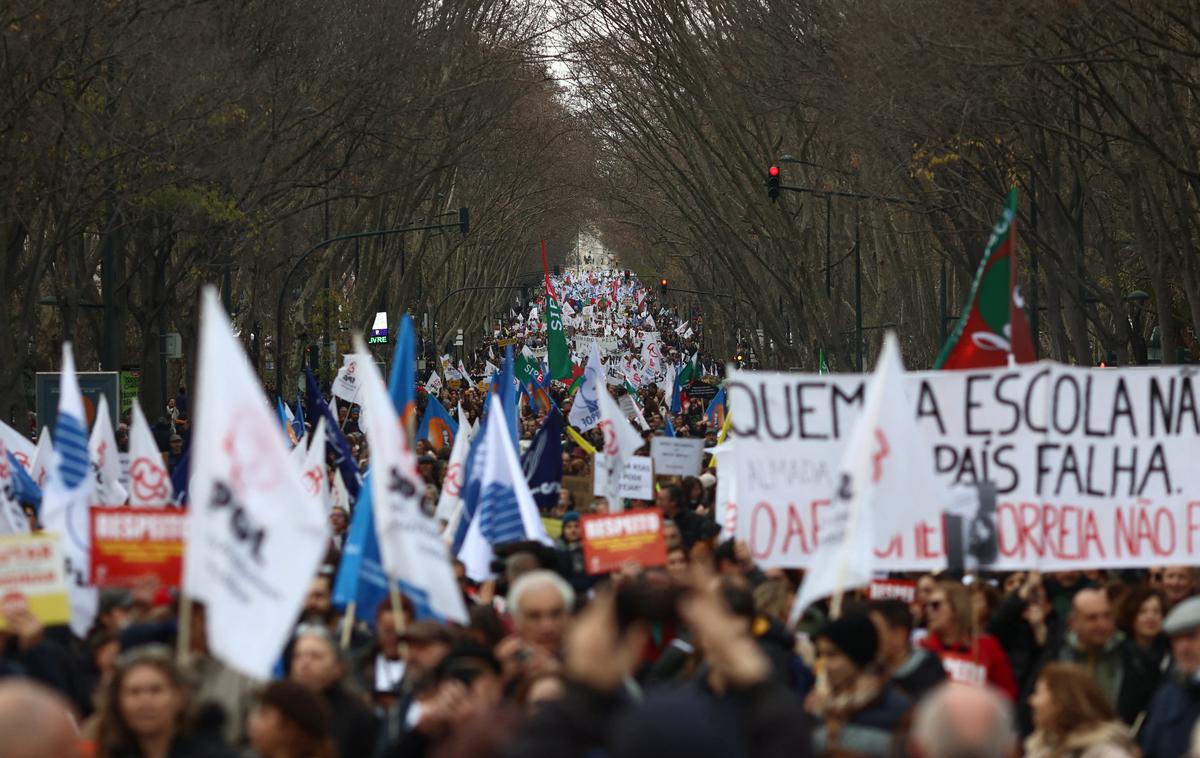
[[693, 658]]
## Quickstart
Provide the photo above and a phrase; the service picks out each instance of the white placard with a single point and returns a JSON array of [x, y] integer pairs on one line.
[[677, 456], [637, 478]]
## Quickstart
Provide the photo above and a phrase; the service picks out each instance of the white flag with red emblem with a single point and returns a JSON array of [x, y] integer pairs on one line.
[[621, 441], [106, 462], [251, 552], [883, 486], [452, 484], [315, 475], [149, 480]]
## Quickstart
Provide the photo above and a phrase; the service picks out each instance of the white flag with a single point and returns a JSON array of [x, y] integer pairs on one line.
[[506, 511], [338, 492], [315, 476], [67, 495], [409, 541], [149, 480], [433, 385], [453, 482], [106, 463], [43, 457], [19, 445], [346, 383], [12, 517], [251, 553], [621, 441], [884, 485], [462, 370], [585, 410]]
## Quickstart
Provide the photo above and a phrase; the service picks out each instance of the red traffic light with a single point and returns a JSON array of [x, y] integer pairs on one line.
[[662, 282], [773, 171]]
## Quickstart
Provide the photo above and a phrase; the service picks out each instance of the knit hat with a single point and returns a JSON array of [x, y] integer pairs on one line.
[[854, 634], [569, 516]]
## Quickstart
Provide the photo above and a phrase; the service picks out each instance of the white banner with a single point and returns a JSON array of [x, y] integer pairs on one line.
[[349, 378], [1092, 467]]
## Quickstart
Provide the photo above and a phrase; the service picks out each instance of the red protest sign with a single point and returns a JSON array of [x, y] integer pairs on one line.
[[893, 589], [612, 540], [129, 544]]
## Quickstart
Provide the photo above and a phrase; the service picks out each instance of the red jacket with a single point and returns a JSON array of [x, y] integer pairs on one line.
[[986, 663]]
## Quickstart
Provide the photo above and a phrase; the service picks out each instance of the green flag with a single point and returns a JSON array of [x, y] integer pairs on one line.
[[557, 353]]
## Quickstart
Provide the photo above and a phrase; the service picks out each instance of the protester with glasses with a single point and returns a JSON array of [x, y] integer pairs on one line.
[[968, 654]]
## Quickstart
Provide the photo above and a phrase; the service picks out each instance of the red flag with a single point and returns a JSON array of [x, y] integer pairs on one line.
[[994, 324]]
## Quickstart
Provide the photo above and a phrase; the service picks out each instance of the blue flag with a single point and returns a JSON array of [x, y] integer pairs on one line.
[[24, 488], [542, 462], [715, 413], [437, 425], [298, 419], [402, 381], [508, 393], [335, 441], [669, 431], [181, 475]]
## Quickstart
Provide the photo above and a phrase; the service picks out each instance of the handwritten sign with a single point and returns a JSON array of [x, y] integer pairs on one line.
[[637, 478], [612, 540], [677, 456], [32, 576]]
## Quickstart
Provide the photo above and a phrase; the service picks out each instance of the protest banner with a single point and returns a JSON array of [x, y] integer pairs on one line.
[[614, 539], [637, 478], [1092, 467], [677, 456], [129, 544], [32, 574]]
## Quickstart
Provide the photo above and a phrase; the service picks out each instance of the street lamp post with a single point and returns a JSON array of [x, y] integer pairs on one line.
[[828, 195], [462, 224]]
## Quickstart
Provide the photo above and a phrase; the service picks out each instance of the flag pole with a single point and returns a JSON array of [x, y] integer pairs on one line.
[[348, 623], [184, 638]]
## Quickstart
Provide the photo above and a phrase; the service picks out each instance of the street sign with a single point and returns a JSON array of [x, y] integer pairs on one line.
[[92, 384]]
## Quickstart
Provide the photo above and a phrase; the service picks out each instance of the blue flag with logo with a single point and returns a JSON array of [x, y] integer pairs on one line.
[[508, 393], [437, 425], [542, 462]]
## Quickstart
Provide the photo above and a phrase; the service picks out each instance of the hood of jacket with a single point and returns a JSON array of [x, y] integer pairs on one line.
[[1112, 734]]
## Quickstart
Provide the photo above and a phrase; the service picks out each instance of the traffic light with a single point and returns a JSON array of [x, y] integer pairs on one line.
[[313, 355], [557, 269], [464, 220], [627, 276], [662, 287], [773, 182]]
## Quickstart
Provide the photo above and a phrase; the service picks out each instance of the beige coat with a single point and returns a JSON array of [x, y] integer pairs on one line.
[[1107, 740]]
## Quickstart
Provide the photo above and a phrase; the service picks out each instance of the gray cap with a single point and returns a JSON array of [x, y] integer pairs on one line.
[[1183, 618]]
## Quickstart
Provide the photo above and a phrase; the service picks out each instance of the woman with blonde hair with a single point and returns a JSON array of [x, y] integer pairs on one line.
[[967, 653], [1072, 717]]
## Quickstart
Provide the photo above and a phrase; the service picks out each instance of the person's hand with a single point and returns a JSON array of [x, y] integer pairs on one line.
[[727, 644], [440, 711], [21, 621], [487, 592], [1033, 582], [598, 655]]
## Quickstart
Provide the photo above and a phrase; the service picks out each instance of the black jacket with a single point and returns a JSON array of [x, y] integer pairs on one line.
[[355, 727], [1016, 636], [764, 720], [1173, 712], [919, 674]]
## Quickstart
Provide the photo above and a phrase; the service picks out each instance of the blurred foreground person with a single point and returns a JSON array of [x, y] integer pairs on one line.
[[960, 720], [1175, 708], [860, 712], [1072, 717], [738, 710], [35, 721], [143, 713], [318, 665], [290, 721]]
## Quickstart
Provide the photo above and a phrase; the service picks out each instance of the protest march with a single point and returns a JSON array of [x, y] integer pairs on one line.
[[589, 536]]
